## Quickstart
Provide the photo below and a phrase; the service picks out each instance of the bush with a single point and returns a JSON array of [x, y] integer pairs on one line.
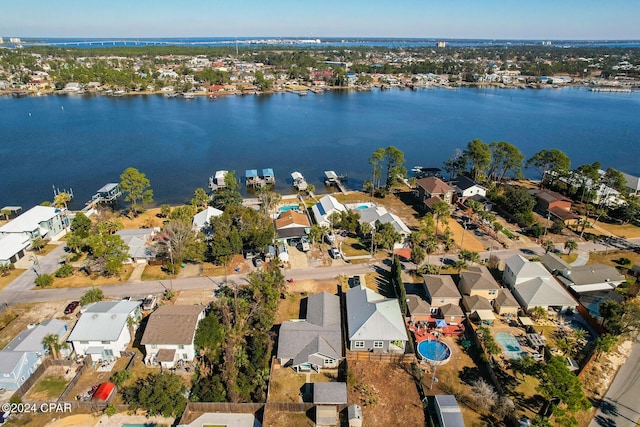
[[44, 280], [119, 378], [110, 410], [623, 261], [64, 271]]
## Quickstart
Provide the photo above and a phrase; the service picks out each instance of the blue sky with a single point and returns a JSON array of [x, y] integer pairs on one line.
[[541, 19]]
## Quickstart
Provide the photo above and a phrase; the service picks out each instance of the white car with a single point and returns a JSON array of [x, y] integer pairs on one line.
[[330, 238], [335, 253]]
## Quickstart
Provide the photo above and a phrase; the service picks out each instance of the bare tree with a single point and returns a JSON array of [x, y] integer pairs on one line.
[[483, 394]]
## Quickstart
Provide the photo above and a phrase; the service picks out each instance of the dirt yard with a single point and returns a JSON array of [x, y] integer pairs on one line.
[[81, 280], [51, 384], [391, 391], [16, 318]]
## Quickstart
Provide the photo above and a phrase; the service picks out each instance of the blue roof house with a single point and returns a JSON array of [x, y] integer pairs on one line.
[[16, 367]]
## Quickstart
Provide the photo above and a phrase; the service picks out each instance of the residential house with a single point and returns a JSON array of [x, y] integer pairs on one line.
[[419, 309], [533, 286], [432, 190], [478, 307], [505, 303], [632, 183], [169, 334], [140, 244], [466, 187], [592, 277], [448, 411], [21, 357], [477, 280], [324, 208], [202, 220], [375, 214], [451, 313], [13, 247], [555, 205], [16, 367], [554, 263], [292, 224], [440, 291], [103, 329], [374, 323], [329, 398], [316, 342], [39, 221]]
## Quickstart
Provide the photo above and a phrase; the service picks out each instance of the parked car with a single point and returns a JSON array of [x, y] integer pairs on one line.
[[335, 253], [330, 238], [71, 307]]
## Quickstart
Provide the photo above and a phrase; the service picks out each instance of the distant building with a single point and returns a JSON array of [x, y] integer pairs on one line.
[[632, 183], [466, 187], [441, 44]]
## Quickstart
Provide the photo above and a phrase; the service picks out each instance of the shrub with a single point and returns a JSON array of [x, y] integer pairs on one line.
[[110, 410], [64, 271], [44, 280], [120, 377]]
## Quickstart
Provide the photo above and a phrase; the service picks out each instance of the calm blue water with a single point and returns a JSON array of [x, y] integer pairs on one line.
[[85, 142], [434, 350]]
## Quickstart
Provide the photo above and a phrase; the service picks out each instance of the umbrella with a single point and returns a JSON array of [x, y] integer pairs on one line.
[[440, 323]]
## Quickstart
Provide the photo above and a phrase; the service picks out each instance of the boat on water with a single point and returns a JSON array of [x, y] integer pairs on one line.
[[298, 181], [170, 95], [188, 95]]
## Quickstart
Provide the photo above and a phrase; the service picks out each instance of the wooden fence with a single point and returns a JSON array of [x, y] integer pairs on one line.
[[73, 382], [380, 357], [39, 372]]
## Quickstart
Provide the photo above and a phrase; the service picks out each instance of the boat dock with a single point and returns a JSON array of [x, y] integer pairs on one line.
[[298, 181], [107, 194], [332, 178], [217, 181], [252, 179]]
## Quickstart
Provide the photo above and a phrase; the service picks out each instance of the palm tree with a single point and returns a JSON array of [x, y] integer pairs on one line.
[[442, 211], [6, 213], [315, 234], [310, 189], [570, 245], [51, 342], [459, 265], [472, 257], [548, 245], [38, 243]]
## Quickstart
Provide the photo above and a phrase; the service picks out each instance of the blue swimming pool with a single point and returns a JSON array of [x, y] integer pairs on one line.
[[434, 351], [510, 345], [286, 208]]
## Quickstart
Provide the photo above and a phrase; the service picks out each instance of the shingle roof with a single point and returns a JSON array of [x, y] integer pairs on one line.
[[506, 299], [594, 273], [463, 183], [553, 263], [373, 317], [440, 286], [451, 310], [543, 292], [172, 324], [203, 219], [476, 302], [434, 185], [417, 306], [329, 393], [477, 277], [289, 218]]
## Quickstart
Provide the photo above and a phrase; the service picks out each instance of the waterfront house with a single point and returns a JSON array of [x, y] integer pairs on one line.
[[432, 190], [466, 187], [589, 278], [292, 224], [555, 205], [324, 208], [72, 87], [202, 220], [39, 221], [375, 323], [477, 280], [268, 176], [313, 343], [103, 330], [533, 286], [251, 178], [440, 291], [374, 214], [632, 184], [169, 334], [140, 244]]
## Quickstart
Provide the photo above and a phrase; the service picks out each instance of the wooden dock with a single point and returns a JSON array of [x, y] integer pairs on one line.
[[332, 178]]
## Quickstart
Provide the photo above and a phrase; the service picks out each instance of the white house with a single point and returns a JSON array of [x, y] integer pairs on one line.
[[13, 247], [466, 187], [324, 208], [102, 331], [374, 214], [533, 286], [39, 221], [202, 220], [140, 243], [169, 334]]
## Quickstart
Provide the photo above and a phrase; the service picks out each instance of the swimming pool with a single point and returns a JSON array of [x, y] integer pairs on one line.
[[510, 345], [435, 351], [286, 208]]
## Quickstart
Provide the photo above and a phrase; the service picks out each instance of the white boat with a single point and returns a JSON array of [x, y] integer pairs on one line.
[[188, 95]]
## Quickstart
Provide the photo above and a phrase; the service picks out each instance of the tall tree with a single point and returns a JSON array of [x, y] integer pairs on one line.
[[505, 158], [441, 209], [570, 245], [456, 164], [182, 243], [376, 167], [557, 381], [230, 194], [479, 156], [137, 188], [51, 341], [200, 199], [553, 163], [395, 165]]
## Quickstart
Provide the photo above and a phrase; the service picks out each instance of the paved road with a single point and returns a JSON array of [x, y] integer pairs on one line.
[[621, 405]]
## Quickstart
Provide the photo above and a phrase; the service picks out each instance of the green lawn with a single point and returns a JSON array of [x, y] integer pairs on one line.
[[353, 247], [569, 258], [51, 386]]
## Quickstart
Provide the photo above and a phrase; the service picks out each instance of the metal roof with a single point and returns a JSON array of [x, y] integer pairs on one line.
[[373, 317], [30, 220], [449, 411], [251, 173], [31, 339], [267, 172], [103, 321]]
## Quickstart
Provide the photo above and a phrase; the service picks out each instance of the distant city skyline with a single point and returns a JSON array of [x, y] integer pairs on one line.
[[455, 19]]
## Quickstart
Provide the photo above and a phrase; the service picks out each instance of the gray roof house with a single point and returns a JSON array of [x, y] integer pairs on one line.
[[102, 331], [533, 286], [31, 339], [380, 214], [140, 243], [374, 323], [478, 306], [553, 263], [316, 342], [329, 398], [477, 280], [505, 303], [419, 309], [593, 277], [440, 290]]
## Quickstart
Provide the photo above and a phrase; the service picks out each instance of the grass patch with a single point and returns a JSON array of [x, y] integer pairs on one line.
[[46, 250], [82, 280], [289, 308], [354, 247], [285, 385], [6, 280], [569, 258], [610, 257], [629, 231], [507, 233], [51, 387], [154, 272]]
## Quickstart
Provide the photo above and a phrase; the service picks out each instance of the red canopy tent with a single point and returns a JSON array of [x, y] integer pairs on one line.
[[104, 391]]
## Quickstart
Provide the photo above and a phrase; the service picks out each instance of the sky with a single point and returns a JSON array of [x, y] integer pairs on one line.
[[485, 19]]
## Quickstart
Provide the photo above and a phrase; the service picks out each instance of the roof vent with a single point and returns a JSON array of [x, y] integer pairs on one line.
[[113, 316], [95, 316]]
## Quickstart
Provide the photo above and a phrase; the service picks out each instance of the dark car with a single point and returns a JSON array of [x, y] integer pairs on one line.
[[71, 307]]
